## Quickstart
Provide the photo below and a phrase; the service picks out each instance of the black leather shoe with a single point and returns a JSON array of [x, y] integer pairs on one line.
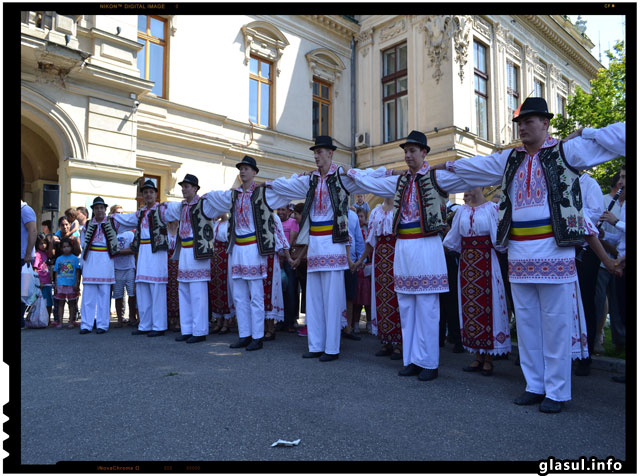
[[194, 339], [85, 331], [583, 367], [458, 349], [329, 357], [255, 345], [139, 333], [183, 337], [155, 333], [550, 406], [351, 336], [312, 355], [100, 331], [428, 374], [242, 342], [528, 398], [409, 370]]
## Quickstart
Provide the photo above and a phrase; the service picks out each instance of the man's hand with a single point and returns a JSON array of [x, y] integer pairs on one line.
[[573, 135], [609, 218]]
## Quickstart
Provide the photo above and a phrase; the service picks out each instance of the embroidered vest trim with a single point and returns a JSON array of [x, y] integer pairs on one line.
[[262, 220], [563, 191], [202, 229], [109, 229], [157, 231], [432, 200], [339, 197]]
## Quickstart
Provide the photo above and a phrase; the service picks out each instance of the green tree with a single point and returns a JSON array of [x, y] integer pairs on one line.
[[605, 105]]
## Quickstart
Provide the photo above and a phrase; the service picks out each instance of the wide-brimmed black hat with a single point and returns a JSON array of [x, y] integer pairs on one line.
[[417, 137], [536, 106], [192, 179], [250, 161], [148, 184], [326, 142], [98, 201]]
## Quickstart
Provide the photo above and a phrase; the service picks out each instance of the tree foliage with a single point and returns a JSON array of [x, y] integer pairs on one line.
[[605, 105]]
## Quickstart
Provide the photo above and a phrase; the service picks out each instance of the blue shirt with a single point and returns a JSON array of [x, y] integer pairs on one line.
[[27, 215], [65, 269], [357, 246]]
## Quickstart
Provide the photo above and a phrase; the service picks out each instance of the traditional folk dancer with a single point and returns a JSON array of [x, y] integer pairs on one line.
[[173, 296], [220, 298], [194, 254], [100, 246], [252, 246], [419, 266], [482, 304], [151, 242], [324, 227], [541, 220], [385, 313]]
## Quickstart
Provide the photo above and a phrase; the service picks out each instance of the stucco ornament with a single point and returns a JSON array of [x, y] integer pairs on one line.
[[440, 31]]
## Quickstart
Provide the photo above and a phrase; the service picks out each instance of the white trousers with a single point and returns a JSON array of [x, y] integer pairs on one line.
[[420, 321], [326, 310], [193, 297], [248, 299], [544, 314], [152, 306], [96, 304]]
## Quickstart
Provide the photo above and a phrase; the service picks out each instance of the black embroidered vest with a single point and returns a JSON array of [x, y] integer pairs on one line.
[[339, 197], [563, 191], [157, 231], [432, 199], [202, 229], [109, 229], [262, 219]]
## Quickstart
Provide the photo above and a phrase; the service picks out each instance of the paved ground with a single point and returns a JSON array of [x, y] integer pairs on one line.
[[118, 397]]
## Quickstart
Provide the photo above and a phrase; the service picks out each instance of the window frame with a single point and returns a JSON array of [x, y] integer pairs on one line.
[[542, 86], [513, 93], [141, 181], [320, 100], [393, 77], [561, 105], [148, 38], [485, 77], [262, 80]]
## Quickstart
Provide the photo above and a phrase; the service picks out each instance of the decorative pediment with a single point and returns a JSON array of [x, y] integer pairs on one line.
[[263, 39], [325, 64]]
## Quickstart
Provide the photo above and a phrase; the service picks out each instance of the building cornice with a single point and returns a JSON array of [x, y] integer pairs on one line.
[[336, 24]]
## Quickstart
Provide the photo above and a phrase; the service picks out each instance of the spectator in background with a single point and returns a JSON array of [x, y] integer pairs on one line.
[[220, 299], [124, 265], [66, 279], [299, 256], [82, 217], [360, 204], [291, 296], [173, 297], [40, 264], [449, 313], [64, 231], [363, 289], [28, 235], [72, 216], [46, 227], [351, 276]]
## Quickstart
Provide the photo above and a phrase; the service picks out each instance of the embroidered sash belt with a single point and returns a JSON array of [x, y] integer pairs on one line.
[[186, 242], [531, 230], [145, 241], [243, 240], [320, 228], [97, 248], [482, 242], [407, 231]]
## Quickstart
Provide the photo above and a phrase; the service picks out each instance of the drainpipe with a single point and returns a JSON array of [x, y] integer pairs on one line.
[[353, 102]]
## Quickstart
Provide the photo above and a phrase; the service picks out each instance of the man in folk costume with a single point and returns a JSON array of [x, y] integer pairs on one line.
[[419, 267], [252, 246], [152, 244], [324, 227], [99, 246], [195, 252], [541, 220]]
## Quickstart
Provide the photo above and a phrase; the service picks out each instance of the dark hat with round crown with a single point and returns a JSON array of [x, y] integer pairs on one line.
[[190, 179], [325, 142], [418, 138], [250, 161], [537, 106]]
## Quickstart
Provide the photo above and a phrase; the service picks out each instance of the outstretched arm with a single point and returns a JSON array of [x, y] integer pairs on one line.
[[595, 146], [480, 171]]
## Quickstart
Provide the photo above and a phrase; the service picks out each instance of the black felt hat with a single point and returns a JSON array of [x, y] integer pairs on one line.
[[191, 179], [326, 142], [418, 138], [148, 184], [537, 106], [98, 201], [250, 161]]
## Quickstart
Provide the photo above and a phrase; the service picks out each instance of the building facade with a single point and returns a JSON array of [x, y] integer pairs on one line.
[[110, 100]]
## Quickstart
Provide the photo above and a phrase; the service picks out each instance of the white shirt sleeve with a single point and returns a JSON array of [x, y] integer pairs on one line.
[[382, 186], [216, 202], [591, 198], [450, 182], [453, 240], [172, 213], [127, 221], [294, 188], [595, 146], [481, 171]]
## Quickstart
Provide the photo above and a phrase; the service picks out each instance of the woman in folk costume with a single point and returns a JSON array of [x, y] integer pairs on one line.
[[220, 285], [385, 314], [273, 295], [419, 266], [194, 267], [541, 222], [100, 245], [152, 273], [173, 297], [252, 245], [482, 304]]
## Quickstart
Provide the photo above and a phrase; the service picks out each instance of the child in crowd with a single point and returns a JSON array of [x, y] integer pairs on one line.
[[363, 294], [44, 274], [66, 278]]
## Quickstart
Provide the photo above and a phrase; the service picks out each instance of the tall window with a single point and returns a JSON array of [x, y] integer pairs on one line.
[[538, 88], [152, 33], [562, 106], [513, 94], [156, 181], [481, 79], [394, 92], [321, 108], [260, 91]]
